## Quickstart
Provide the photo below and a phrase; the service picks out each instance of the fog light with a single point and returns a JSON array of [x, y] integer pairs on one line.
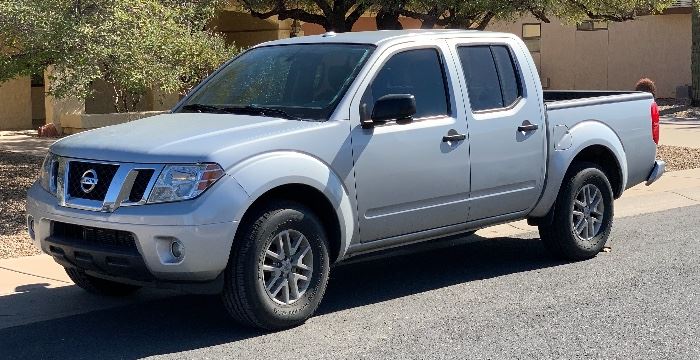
[[177, 249], [30, 226]]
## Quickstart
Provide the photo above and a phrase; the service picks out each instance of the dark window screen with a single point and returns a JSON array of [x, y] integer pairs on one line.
[[416, 72], [510, 84], [481, 77]]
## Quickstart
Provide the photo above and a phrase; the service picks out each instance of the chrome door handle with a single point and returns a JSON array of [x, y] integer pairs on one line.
[[453, 137], [528, 126]]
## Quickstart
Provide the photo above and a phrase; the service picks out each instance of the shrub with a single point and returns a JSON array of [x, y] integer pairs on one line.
[[646, 85], [132, 45]]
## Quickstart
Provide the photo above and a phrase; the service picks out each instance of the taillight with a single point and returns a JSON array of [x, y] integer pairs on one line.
[[655, 117]]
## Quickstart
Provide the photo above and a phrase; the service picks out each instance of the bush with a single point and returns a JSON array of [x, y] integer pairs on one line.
[[132, 45], [646, 85]]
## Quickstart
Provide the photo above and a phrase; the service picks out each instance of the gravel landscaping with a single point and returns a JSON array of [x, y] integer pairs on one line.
[[18, 172], [670, 108], [679, 158]]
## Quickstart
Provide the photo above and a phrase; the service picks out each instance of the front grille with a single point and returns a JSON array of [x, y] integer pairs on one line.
[[77, 235], [140, 184], [105, 173]]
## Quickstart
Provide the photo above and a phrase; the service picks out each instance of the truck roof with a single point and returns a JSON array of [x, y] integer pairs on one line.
[[383, 36]]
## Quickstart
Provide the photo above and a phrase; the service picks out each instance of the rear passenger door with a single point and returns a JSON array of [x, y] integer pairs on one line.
[[507, 134]]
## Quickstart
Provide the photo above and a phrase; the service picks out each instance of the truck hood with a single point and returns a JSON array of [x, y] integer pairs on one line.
[[178, 138]]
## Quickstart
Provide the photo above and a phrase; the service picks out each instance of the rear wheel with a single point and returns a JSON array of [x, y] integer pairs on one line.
[[278, 268], [99, 286], [582, 216]]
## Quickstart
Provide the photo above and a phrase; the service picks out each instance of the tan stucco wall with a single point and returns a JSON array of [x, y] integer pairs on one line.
[[365, 23], [657, 47], [75, 123], [16, 104], [245, 30]]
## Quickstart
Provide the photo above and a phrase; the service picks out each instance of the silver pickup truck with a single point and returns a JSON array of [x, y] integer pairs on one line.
[[301, 153]]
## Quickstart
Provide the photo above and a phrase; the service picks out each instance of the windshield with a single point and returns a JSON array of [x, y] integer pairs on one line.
[[304, 81]]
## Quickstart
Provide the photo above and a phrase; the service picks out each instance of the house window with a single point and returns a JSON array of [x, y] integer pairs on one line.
[[590, 25], [532, 35]]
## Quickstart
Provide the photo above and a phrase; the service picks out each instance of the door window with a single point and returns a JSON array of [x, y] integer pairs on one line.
[[416, 72], [491, 76]]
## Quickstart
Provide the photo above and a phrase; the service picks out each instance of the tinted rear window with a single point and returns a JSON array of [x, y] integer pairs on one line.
[[491, 77]]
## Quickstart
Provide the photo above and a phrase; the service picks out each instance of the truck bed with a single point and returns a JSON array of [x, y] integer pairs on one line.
[[567, 99], [563, 95], [626, 113]]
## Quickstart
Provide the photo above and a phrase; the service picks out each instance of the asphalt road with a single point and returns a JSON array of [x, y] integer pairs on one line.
[[497, 298]]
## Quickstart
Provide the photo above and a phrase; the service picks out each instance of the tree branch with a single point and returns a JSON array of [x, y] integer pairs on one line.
[[360, 9], [323, 5], [607, 17], [283, 13], [485, 20]]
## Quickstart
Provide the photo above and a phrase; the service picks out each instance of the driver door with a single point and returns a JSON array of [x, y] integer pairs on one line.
[[408, 177]]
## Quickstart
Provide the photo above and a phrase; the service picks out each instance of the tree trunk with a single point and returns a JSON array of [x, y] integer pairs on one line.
[[695, 66], [388, 19]]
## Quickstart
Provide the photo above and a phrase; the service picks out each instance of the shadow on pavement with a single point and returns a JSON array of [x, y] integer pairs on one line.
[[190, 322]]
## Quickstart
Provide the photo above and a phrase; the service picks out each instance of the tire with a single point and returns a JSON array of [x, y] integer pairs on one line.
[[579, 232], [99, 286], [252, 293]]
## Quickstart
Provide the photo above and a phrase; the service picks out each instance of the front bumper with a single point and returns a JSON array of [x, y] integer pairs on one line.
[[204, 226], [656, 172]]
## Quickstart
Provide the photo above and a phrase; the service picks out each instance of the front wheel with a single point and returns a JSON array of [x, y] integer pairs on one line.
[[583, 214], [278, 268]]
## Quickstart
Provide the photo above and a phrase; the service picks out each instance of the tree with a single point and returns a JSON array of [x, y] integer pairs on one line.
[[132, 45], [340, 15], [332, 15], [477, 14]]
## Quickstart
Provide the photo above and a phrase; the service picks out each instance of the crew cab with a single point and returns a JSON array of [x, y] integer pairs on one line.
[[301, 153]]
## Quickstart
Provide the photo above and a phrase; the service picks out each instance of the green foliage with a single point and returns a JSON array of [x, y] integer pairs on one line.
[[133, 45]]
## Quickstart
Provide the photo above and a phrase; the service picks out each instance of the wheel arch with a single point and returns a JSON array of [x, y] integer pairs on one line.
[[595, 142], [304, 179]]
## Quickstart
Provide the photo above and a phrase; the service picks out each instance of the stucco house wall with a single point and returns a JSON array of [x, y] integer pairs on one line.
[[657, 47], [16, 104]]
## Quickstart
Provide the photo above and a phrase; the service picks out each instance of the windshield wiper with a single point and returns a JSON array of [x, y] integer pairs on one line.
[[248, 109], [261, 110], [201, 108]]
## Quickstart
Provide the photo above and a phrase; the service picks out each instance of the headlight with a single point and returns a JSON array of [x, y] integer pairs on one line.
[[48, 172], [184, 182]]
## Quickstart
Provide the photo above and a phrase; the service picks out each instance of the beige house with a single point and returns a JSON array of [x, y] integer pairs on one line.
[[592, 55]]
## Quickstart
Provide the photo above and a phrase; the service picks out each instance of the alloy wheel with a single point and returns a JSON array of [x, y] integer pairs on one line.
[[587, 213], [288, 267]]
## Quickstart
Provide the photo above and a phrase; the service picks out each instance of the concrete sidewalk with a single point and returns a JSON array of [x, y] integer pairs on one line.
[[26, 142], [35, 288], [680, 132]]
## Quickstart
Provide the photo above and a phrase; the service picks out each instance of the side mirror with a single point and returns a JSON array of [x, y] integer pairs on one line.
[[399, 107]]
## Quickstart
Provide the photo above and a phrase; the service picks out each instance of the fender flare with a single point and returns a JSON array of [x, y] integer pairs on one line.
[[264, 172], [585, 134]]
